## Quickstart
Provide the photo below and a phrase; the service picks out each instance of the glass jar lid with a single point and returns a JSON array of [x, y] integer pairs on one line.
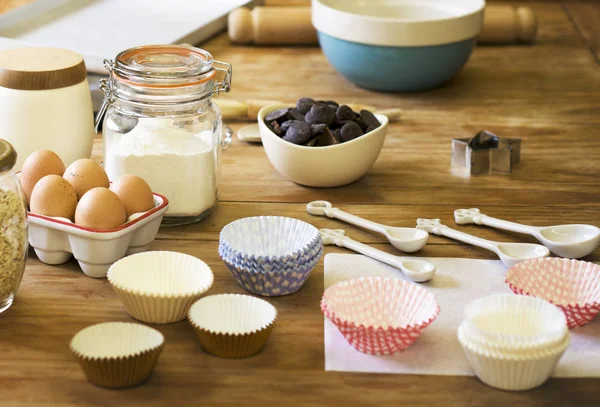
[[166, 65], [8, 156]]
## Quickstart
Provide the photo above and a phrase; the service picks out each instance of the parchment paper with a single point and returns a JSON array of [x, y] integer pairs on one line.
[[437, 351]]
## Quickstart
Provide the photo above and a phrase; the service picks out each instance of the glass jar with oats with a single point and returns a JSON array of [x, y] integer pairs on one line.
[[13, 227]]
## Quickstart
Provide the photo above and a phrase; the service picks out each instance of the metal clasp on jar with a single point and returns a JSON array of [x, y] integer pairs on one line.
[[225, 84]]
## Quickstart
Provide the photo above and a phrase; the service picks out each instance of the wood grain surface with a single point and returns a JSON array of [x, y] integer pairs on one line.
[[547, 94]]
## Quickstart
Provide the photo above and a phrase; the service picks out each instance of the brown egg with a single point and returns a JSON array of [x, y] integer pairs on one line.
[[54, 196], [36, 166], [135, 193], [85, 174], [100, 209]]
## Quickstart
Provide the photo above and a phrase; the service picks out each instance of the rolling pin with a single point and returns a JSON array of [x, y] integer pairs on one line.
[[503, 24], [248, 110]]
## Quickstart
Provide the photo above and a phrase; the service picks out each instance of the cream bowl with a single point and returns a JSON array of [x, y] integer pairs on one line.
[[330, 166]]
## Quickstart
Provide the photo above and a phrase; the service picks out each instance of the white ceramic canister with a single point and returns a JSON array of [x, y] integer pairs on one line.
[[45, 103]]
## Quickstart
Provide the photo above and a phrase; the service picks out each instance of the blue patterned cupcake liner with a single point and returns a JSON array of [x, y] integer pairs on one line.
[[276, 268], [268, 239], [265, 264], [272, 284]]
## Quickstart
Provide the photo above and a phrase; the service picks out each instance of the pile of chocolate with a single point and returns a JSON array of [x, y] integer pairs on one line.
[[320, 123]]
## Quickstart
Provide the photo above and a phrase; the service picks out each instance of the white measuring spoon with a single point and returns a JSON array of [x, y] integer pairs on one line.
[[407, 240], [509, 253], [572, 241], [417, 270]]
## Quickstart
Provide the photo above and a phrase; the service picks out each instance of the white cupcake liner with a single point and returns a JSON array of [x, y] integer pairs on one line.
[[269, 238], [572, 285], [513, 371], [117, 354], [379, 316], [507, 321], [159, 287], [232, 325]]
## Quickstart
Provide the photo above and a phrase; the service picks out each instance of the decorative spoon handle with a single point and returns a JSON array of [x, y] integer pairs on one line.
[[436, 226], [474, 215], [324, 208]]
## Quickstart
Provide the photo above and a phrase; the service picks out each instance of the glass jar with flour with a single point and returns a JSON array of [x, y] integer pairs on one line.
[[161, 124]]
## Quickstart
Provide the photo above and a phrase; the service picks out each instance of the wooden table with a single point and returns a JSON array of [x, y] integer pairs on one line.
[[547, 94]]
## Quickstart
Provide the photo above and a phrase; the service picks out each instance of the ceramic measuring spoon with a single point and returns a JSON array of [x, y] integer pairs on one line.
[[572, 241], [509, 253], [417, 270], [407, 240]]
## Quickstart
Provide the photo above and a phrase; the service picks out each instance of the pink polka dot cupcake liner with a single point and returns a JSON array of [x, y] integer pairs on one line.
[[379, 316], [572, 285]]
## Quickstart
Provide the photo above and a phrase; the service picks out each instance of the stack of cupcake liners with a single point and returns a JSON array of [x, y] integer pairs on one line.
[[270, 255], [513, 342]]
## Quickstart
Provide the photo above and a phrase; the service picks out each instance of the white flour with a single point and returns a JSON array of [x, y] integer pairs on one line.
[[174, 163]]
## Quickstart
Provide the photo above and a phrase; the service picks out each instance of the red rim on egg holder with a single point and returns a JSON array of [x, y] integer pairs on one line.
[[571, 285], [379, 340]]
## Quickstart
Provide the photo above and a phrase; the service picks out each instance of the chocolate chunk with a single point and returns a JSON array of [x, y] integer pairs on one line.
[[329, 102], [276, 115], [359, 120], [276, 128], [312, 142], [345, 113], [304, 104], [317, 128], [298, 133], [370, 128], [297, 115], [326, 139], [350, 131], [320, 113], [369, 118], [286, 125], [337, 135]]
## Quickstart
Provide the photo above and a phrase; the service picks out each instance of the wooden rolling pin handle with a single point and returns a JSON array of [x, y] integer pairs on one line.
[[272, 26], [503, 24]]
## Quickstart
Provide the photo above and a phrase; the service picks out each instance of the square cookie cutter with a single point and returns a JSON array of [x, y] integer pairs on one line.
[[486, 153]]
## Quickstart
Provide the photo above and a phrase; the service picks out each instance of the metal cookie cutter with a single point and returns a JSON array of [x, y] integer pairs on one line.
[[486, 153]]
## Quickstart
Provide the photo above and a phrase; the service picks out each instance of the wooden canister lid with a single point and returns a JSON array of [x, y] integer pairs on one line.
[[40, 68]]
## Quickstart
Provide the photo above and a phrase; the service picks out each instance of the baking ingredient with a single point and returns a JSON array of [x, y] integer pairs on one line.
[[54, 196], [134, 192], [100, 209], [175, 163], [85, 174], [306, 124], [36, 166], [13, 242]]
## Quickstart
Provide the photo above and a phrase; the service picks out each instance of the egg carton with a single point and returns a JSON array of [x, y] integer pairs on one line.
[[55, 240]]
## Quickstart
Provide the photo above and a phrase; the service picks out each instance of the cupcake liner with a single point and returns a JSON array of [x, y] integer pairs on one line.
[[159, 287], [379, 316], [269, 238], [513, 371], [117, 354], [271, 284], [507, 321], [232, 325], [270, 264], [280, 268], [572, 285]]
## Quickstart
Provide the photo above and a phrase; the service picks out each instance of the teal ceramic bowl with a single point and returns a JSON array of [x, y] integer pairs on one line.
[[398, 45]]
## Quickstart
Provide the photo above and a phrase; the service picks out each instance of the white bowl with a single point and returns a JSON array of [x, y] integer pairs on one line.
[[330, 166]]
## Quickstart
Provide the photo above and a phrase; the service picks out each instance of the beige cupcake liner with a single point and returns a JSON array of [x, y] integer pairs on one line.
[[232, 325], [117, 354], [153, 309], [233, 346], [121, 372]]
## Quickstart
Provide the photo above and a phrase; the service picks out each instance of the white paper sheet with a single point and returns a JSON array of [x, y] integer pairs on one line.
[[437, 351]]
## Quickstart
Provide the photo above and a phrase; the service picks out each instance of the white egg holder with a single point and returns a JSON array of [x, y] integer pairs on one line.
[[55, 240]]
